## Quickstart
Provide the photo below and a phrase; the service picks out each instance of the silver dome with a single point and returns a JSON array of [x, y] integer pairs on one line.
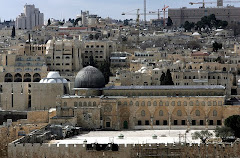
[[89, 77]]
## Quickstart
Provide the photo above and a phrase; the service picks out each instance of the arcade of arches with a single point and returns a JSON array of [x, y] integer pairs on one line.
[[26, 77]]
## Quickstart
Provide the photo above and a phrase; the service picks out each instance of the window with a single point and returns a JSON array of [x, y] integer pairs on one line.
[[191, 103], [185, 103], [197, 103], [214, 113], [80, 103], [203, 103], [131, 103], [142, 113], [139, 122], [164, 122], [89, 103], [201, 122], [179, 103], [219, 122], [75, 104], [154, 103], [146, 122], [161, 103], [137, 103], [209, 103], [149, 103], [125, 103], [219, 103], [167, 103], [197, 112], [175, 122], [173, 103], [84, 103], [179, 113], [210, 122], [193, 122], [94, 103], [183, 122], [160, 113], [214, 103]]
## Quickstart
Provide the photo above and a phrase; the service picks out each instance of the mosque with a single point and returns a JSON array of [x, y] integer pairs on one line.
[[94, 106]]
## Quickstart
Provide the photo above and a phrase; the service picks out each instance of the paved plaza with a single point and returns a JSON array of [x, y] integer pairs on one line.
[[131, 137]]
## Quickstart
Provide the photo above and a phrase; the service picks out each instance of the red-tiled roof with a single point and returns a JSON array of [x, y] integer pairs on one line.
[[200, 54]]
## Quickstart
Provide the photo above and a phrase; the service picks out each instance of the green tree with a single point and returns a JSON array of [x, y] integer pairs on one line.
[[105, 69], [92, 62], [216, 46], [188, 26], [168, 78], [13, 32], [223, 132], [49, 22], [169, 22], [162, 78], [234, 123], [203, 135]]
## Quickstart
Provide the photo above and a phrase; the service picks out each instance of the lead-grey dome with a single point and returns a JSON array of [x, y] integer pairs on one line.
[[89, 77]]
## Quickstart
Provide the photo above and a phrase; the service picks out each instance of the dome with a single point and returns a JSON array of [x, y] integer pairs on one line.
[[53, 74], [53, 77], [89, 77]]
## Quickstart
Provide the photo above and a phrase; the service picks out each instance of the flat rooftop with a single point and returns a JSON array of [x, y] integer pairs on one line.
[[131, 137]]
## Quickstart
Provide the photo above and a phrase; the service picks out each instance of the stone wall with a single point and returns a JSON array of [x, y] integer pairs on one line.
[[126, 151]]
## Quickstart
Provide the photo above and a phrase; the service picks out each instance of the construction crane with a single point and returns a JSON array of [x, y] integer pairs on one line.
[[203, 3], [145, 13], [164, 14]]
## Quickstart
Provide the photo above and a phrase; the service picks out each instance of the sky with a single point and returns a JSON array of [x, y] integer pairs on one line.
[[59, 9]]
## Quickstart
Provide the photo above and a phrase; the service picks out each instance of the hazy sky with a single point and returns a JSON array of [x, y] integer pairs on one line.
[[58, 9]]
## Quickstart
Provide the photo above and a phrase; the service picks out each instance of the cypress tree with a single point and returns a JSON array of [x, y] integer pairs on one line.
[[13, 32]]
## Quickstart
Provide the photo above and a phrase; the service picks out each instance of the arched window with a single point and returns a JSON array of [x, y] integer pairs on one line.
[[224, 69], [142, 113], [179, 103], [75, 104], [197, 103], [80, 103], [214, 113], [137, 103], [94, 103], [173, 103], [18, 78], [130, 103], [185, 103], [209, 103], [89, 103], [154, 103], [179, 113], [84, 103], [149, 103], [65, 103], [203, 103], [161, 103], [27, 77], [36, 77], [160, 113], [191, 103], [197, 112]]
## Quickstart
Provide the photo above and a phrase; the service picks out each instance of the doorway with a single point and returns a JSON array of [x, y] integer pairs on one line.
[[125, 125]]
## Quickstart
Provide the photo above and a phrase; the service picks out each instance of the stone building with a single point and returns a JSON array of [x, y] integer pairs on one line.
[[30, 18], [180, 15], [141, 107]]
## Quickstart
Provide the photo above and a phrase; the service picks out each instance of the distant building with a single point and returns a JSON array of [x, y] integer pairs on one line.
[[30, 18], [180, 15]]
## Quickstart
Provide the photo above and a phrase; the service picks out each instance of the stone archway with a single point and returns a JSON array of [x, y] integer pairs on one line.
[[125, 125]]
